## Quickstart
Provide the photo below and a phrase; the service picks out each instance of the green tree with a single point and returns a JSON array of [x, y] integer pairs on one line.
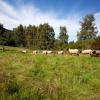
[[5, 36], [63, 37], [1, 28], [19, 33], [2, 39], [88, 29], [8, 36], [45, 36], [30, 33]]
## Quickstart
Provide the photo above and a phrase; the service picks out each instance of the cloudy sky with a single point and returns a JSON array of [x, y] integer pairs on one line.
[[56, 12]]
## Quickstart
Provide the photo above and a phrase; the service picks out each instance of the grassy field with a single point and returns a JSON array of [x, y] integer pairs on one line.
[[48, 77]]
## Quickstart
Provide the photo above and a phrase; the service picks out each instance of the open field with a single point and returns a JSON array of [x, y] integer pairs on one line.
[[48, 77]]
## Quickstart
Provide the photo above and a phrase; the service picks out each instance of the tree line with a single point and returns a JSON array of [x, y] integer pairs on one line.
[[43, 36], [35, 37]]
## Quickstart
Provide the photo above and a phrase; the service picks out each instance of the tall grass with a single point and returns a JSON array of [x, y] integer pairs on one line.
[[48, 77]]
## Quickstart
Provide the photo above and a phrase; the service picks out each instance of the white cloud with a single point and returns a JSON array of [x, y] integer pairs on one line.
[[97, 17], [28, 14], [8, 9]]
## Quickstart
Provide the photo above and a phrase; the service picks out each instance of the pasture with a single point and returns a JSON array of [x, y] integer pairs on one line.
[[48, 77]]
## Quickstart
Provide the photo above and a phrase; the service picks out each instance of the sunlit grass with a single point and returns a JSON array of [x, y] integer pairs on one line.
[[48, 77]]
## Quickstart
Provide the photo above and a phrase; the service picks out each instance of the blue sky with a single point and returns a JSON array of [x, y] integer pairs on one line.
[[56, 12]]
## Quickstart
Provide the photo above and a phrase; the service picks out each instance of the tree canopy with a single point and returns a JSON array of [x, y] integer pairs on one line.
[[88, 29]]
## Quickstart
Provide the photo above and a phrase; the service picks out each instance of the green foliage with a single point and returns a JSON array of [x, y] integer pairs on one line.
[[20, 35], [45, 36], [88, 30], [81, 45], [2, 30], [41, 37], [63, 38], [30, 35], [96, 44]]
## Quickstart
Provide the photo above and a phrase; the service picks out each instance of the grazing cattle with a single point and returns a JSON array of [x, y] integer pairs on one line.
[[24, 51], [60, 52], [88, 51], [34, 52], [74, 51]]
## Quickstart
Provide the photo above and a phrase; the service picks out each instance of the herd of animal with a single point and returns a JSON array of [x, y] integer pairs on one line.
[[70, 51]]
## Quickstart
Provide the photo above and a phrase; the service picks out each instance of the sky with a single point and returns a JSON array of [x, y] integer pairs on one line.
[[54, 12]]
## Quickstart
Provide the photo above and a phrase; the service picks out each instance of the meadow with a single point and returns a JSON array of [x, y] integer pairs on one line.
[[48, 77]]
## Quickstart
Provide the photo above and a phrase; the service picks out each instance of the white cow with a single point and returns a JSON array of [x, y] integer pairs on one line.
[[60, 52], [88, 51], [73, 51]]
